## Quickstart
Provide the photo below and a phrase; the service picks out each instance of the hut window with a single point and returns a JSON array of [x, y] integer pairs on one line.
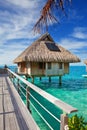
[[60, 65], [41, 65], [49, 65]]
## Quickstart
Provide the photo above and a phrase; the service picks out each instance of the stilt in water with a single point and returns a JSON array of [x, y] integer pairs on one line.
[[26, 77], [40, 78], [60, 80], [49, 79]]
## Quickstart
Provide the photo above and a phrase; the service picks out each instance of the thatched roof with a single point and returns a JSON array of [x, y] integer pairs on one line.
[[45, 50], [85, 61]]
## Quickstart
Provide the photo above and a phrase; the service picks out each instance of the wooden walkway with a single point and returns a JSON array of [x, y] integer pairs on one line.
[[13, 113]]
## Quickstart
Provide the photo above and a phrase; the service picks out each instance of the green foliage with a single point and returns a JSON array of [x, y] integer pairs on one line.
[[77, 123]]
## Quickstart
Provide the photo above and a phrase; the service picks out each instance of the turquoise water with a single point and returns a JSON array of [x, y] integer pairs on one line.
[[72, 91]]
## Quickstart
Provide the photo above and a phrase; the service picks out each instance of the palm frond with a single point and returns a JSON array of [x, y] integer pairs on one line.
[[47, 14]]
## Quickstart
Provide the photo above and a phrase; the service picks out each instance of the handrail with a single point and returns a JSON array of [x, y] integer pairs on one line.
[[41, 116], [45, 108], [60, 104]]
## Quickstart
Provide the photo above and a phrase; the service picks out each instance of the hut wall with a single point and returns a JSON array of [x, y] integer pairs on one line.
[[28, 68], [36, 70], [54, 70], [19, 67], [86, 67], [22, 68], [60, 68], [48, 69], [66, 68]]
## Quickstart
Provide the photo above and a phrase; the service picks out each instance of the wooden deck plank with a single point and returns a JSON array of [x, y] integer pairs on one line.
[[1, 110], [10, 113], [13, 113], [27, 116], [1, 122], [6, 123]]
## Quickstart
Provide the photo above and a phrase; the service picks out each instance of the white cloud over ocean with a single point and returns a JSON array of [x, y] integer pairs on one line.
[[17, 19], [76, 42]]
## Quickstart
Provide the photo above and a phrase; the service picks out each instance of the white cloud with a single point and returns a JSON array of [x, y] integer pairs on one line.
[[16, 22], [8, 57], [11, 52], [72, 44], [18, 26], [25, 3], [76, 42], [80, 33]]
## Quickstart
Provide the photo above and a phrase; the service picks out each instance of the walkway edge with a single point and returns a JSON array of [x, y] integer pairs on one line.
[[24, 111]]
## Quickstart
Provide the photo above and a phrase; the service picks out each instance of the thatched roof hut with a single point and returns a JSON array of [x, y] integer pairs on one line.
[[45, 57], [85, 61], [45, 50]]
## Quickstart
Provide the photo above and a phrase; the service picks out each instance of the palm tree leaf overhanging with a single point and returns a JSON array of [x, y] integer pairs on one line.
[[47, 14]]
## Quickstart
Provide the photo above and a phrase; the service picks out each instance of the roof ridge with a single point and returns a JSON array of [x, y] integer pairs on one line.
[[42, 37]]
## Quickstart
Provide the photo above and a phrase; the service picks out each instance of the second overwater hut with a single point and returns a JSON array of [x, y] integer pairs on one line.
[[45, 58], [85, 61]]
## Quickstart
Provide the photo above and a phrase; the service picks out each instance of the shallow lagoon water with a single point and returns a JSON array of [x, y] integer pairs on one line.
[[72, 91]]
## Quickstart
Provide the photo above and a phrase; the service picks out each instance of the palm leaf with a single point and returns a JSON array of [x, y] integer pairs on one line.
[[47, 14]]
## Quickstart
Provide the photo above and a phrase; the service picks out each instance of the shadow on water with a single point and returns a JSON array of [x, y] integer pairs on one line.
[[67, 84]]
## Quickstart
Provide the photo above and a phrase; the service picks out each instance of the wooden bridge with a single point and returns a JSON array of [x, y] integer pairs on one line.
[[14, 115]]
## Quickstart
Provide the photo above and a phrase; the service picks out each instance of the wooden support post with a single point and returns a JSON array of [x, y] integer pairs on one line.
[[40, 78], [9, 74], [64, 122], [12, 78], [26, 77], [27, 98], [49, 79], [86, 68], [33, 79], [60, 80]]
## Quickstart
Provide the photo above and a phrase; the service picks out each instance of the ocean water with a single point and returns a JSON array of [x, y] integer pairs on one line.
[[12, 67], [72, 91]]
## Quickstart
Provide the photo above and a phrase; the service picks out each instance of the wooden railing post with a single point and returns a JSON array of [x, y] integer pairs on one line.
[[27, 98], [9, 74], [18, 86], [64, 122], [12, 77]]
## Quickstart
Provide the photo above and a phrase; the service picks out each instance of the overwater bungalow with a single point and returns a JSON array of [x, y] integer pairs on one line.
[[85, 61], [45, 58]]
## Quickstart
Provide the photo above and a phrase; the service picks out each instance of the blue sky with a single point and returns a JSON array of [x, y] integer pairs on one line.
[[17, 18]]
